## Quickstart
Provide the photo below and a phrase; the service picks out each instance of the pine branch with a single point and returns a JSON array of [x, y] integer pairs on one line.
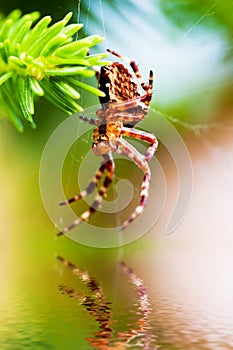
[[42, 60]]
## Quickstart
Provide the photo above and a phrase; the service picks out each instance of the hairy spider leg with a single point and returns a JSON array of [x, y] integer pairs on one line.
[[124, 106], [118, 111], [126, 117], [121, 111], [109, 167], [144, 136], [129, 151], [94, 182], [147, 98], [90, 188], [91, 121], [134, 67]]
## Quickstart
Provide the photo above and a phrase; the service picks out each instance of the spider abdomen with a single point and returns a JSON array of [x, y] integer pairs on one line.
[[117, 83]]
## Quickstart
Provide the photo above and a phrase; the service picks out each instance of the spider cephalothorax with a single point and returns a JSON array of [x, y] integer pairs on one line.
[[122, 108]]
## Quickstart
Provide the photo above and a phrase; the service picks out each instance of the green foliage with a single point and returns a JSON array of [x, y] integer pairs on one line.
[[210, 13], [42, 60]]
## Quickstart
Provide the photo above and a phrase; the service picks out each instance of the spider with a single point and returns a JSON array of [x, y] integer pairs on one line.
[[123, 106]]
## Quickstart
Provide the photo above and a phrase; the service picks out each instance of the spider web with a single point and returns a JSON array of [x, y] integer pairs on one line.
[[209, 12], [100, 18], [95, 17], [129, 14], [104, 19]]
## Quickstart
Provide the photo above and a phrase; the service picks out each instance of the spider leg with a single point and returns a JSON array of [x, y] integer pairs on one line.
[[147, 97], [124, 106], [129, 151], [89, 120], [126, 117], [144, 136], [108, 165], [90, 188]]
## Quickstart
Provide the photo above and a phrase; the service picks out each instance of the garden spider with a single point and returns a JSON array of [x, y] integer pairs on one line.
[[122, 107]]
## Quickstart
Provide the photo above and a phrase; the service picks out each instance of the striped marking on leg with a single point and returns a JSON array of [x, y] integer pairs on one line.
[[90, 188], [129, 151], [109, 166], [143, 199], [89, 120], [152, 149], [144, 136], [126, 117], [148, 96]]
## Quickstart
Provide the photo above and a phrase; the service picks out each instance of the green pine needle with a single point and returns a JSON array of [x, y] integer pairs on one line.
[[43, 60]]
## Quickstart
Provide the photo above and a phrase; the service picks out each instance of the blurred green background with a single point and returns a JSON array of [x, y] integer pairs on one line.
[[189, 46]]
